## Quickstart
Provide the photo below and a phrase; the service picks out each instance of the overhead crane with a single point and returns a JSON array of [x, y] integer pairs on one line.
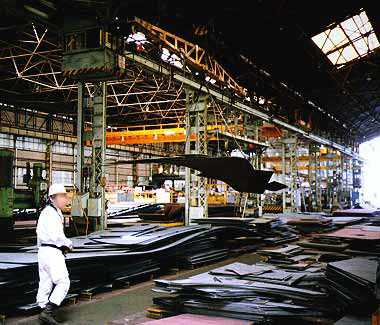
[[162, 134], [194, 54], [145, 135]]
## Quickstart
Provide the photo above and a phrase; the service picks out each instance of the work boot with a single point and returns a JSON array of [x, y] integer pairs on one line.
[[47, 315]]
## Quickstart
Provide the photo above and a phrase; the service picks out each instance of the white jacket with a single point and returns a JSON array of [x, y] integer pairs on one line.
[[50, 228]]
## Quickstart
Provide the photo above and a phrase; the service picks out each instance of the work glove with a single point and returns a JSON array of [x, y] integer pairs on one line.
[[65, 250]]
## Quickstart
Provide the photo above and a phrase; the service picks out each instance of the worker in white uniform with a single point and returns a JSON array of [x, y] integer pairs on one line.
[[52, 247]]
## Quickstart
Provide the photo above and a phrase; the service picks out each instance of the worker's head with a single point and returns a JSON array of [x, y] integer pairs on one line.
[[58, 195]]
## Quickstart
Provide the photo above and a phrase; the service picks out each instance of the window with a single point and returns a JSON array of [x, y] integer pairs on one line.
[[63, 177], [6, 140], [129, 180], [21, 171], [349, 40], [33, 144], [63, 148]]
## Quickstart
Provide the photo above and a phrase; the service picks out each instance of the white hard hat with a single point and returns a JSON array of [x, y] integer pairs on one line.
[[57, 189]]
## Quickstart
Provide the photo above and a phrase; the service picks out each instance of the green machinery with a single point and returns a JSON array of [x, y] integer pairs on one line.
[[11, 198]]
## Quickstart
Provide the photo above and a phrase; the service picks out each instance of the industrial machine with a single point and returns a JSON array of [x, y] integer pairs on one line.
[[12, 199]]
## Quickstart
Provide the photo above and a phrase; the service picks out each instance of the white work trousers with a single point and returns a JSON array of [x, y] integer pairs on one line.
[[54, 278]]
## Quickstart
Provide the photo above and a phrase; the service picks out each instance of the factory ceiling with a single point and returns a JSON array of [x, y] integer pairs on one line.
[[311, 58]]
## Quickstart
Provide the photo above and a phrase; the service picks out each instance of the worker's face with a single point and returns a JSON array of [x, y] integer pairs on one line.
[[60, 200]]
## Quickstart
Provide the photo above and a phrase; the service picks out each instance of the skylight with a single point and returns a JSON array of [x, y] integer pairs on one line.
[[349, 40]]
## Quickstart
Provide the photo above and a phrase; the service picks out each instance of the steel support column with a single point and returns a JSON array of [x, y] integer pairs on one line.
[[356, 180], [97, 188], [283, 167], [258, 165], [290, 150], [314, 177], [135, 178], [196, 123], [80, 145], [293, 177], [48, 162]]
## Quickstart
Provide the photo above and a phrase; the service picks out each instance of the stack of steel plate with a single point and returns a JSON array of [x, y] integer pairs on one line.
[[327, 249], [226, 221], [354, 283], [341, 221], [370, 212], [308, 223], [268, 230], [157, 212], [362, 239], [285, 254], [261, 293], [191, 319], [130, 209], [116, 255], [355, 240]]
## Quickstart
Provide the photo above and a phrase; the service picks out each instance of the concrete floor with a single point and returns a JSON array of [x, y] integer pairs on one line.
[[121, 307]]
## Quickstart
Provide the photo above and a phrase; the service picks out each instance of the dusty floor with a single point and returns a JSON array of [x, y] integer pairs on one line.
[[125, 306]]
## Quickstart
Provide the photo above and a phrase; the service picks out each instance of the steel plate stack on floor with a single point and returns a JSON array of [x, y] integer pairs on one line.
[[374, 221], [170, 212], [327, 249], [268, 294], [361, 239], [292, 257], [263, 231], [130, 209], [307, 223], [262, 293], [191, 319], [371, 212], [351, 241], [226, 221], [354, 282], [286, 254], [115, 256], [274, 231], [295, 287], [341, 221], [124, 212], [17, 284]]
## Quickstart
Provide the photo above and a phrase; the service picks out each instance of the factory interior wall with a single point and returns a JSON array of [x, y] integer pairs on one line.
[[34, 150]]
